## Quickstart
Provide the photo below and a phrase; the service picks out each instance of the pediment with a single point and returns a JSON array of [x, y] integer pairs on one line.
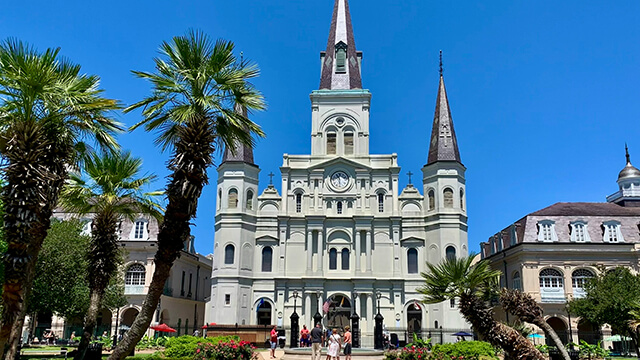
[[412, 241], [340, 161], [266, 238]]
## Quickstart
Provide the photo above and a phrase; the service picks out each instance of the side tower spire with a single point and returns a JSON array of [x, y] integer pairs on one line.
[[341, 61], [241, 152], [444, 144]]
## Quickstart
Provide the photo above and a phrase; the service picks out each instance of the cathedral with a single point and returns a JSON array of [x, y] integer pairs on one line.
[[339, 236]]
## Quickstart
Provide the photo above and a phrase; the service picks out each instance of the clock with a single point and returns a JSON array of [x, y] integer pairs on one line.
[[339, 179]]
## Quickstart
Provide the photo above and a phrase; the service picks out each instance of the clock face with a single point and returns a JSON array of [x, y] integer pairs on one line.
[[339, 179]]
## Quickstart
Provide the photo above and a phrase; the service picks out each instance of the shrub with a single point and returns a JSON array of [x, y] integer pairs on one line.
[[185, 346], [232, 350], [408, 353], [474, 350]]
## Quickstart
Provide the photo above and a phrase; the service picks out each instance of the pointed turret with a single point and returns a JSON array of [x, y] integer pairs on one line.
[[242, 153], [444, 144], [341, 61]]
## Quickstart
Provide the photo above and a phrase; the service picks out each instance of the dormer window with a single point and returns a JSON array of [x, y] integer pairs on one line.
[[547, 231], [579, 232], [341, 58], [140, 230], [612, 232]]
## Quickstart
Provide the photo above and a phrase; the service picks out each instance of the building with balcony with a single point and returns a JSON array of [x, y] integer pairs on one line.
[[550, 253], [182, 305]]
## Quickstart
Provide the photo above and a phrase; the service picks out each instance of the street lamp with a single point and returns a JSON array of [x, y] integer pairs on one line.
[[355, 322], [294, 322], [377, 332]]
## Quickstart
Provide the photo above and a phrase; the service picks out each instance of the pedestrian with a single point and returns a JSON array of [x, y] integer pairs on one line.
[[335, 343], [347, 343], [304, 336], [317, 338], [274, 341], [72, 337]]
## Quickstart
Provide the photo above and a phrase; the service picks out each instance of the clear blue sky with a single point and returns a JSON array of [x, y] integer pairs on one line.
[[543, 93]]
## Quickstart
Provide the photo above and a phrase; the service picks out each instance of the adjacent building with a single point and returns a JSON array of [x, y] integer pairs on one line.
[[550, 253], [339, 231]]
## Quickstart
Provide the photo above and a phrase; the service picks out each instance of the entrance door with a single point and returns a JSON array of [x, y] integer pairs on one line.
[[414, 321], [339, 312], [264, 314]]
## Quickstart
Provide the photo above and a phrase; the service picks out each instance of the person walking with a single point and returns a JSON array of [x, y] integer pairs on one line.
[[317, 338], [347, 342], [273, 337], [335, 342]]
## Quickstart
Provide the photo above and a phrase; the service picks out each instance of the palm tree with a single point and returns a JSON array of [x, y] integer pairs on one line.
[[49, 112], [196, 89], [112, 190], [527, 310], [474, 285]]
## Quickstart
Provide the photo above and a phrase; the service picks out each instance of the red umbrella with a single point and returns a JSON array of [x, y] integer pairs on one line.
[[163, 328]]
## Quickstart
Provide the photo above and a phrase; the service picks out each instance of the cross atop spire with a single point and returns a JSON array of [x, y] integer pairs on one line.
[[626, 153], [341, 61], [444, 144]]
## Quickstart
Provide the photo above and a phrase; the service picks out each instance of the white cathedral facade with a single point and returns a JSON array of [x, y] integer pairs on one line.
[[339, 228]]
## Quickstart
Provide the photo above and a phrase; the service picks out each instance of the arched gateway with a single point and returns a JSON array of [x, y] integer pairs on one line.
[[339, 314]]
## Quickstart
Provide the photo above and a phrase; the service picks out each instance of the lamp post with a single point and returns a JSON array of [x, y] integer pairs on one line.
[[317, 318], [355, 323], [377, 332], [294, 322]]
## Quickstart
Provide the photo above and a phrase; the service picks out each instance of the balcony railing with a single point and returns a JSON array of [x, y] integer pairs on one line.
[[134, 289], [552, 295]]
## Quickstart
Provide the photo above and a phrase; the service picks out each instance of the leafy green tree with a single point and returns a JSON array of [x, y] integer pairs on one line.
[[474, 285], [611, 298], [200, 91], [49, 110], [112, 189]]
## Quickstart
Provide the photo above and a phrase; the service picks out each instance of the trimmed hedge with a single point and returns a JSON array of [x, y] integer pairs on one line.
[[185, 346], [465, 349]]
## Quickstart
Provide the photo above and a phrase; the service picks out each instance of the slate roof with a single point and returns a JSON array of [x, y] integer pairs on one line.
[[242, 153], [444, 144], [586, 209], [341, 31]]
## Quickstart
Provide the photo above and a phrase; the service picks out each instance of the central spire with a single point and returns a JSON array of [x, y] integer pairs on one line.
[[341, 61]]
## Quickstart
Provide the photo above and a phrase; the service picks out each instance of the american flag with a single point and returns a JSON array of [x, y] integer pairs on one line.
[[325, 306]]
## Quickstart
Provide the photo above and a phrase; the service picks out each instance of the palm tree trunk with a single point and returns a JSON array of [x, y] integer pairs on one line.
[[511, 341], [527, 310], [89, 323], [192, 156]]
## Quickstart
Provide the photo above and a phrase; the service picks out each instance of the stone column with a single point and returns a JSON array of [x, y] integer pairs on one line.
[[357, 237], [309, 250], [369, 326], [308, 315], [320, 250], [369, 239]]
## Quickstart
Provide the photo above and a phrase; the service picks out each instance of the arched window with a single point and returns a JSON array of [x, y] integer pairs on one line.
[[517, 281], [432, 199], [345, 259], [229, 254], [135, 275], [412, 261], [348, 143], [219, 199], [267, 259], [380, 202], [331, 143], [249, 200], [552, 286], [579, 278], [462, 199], [341, 58], [450, 253], [233, 199], [447, 198], [333, 259], [339, 207], [298, 203]]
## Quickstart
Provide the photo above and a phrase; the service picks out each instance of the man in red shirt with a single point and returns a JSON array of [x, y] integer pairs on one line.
[[274, 341], [304, 336]]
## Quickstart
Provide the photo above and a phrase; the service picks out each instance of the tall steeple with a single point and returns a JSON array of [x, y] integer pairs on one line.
[[242, 153], [341, 61], [444, 144]]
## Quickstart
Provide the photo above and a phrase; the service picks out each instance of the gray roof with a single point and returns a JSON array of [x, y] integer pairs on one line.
[[241, 152], [341, 7], [444, 144], [587, 209]]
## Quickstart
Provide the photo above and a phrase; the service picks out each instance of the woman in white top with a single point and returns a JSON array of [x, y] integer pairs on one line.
[[335, 342]]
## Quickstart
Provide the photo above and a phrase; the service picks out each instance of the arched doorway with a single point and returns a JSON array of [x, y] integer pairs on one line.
[[414, 321], [103, 322], [559, 327], [588, 332], [339, 312], [128, 316], [264, 313]]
